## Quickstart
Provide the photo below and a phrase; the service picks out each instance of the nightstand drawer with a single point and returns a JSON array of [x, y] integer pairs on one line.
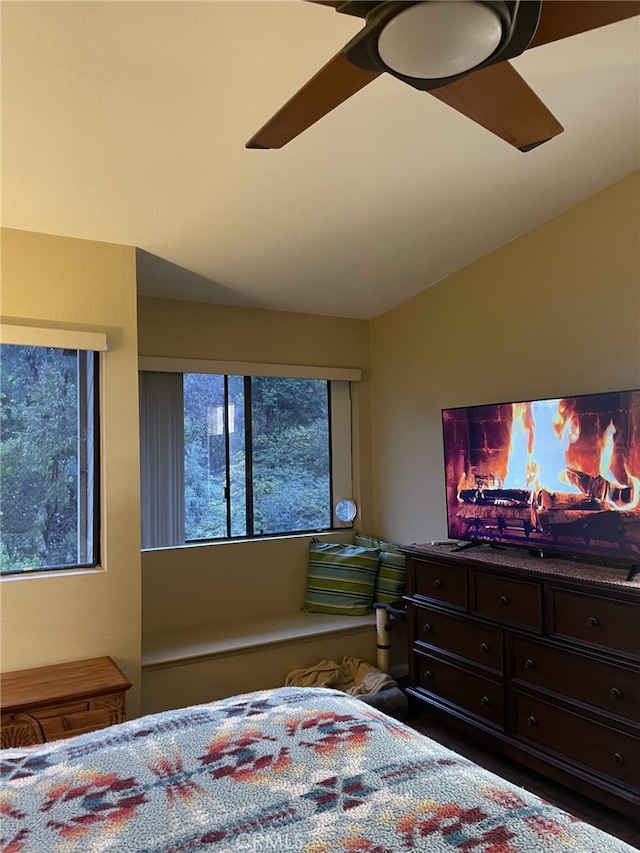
[[596, 621], [610, 688], [438, 582], [62, 700], [609, 752], [455, 635], [506, 600], [480, 696], [79, 723]]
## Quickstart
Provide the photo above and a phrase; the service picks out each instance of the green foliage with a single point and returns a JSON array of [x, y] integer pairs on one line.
[[205, 507], [39, 435], [290, 452]]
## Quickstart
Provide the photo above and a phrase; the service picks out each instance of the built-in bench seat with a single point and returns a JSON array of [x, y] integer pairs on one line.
[[203, 641]]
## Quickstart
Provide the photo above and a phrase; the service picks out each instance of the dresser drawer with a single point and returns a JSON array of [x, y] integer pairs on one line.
[[480, 696], [604, 750], [439, 582], [602, 622], [513, 602], [610, 688], [461, 637]]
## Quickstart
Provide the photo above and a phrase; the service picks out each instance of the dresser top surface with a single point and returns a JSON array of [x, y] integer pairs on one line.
[[520, 561], [65, 681]]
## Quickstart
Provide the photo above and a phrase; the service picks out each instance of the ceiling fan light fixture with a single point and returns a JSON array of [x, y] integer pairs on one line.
[[440, 38]]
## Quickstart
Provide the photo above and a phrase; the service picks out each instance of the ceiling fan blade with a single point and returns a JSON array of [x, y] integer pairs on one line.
[[338, 80], [497, 98], [560, 19]]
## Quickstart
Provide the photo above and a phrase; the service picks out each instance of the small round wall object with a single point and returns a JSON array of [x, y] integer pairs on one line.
[[346, 510]]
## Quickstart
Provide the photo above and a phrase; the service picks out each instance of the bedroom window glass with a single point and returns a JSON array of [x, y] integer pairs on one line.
[[228, 456], [48, 458]]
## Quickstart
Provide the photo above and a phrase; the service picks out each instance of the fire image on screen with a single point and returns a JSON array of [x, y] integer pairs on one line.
[[556, 474]]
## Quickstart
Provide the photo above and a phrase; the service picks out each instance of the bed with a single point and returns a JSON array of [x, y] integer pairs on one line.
[[309, 770]]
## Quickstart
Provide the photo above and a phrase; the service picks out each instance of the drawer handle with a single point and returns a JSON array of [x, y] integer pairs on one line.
[[592, 622], [617, 758], [615, 693], [484, 647], [427, 674], [531, 721], [484, 700], [503, 599], [529, 664], [426, 627], [437, 583]]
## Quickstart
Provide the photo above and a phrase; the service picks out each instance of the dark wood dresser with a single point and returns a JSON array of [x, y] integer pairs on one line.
[[539, 657], [59, 701]]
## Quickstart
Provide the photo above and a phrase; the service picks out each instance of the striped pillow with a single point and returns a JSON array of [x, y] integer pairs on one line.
[[391, 577], [341, 578]]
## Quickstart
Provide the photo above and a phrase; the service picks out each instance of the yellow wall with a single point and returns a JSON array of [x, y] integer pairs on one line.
[[555, 312], [225, 582], [46, 619], [169, 327]]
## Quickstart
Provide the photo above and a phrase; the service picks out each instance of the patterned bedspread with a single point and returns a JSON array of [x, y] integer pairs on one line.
[[277, 771]]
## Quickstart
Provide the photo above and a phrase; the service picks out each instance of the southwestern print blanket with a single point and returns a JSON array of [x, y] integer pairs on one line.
[[289, 770]]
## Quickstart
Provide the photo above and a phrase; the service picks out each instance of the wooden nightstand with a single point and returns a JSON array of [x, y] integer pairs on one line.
[[60, 701]]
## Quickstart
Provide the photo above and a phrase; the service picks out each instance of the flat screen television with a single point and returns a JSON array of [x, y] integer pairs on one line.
[[560, 477]]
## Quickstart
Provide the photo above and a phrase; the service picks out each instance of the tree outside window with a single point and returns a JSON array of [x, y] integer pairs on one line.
[[47, 458]]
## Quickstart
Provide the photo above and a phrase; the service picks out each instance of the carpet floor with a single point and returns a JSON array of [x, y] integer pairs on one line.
[[588, 810]]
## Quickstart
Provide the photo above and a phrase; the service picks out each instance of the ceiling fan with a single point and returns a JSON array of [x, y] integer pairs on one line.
[[457, 50]]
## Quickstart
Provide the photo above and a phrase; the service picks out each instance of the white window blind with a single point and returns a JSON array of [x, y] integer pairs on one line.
[[161, 459]]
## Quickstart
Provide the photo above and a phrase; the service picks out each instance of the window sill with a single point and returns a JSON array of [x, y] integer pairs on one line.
[[39, 574], [273, 538]]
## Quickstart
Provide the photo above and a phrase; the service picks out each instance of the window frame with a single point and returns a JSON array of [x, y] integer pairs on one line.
[[340, 429], [91, 344]]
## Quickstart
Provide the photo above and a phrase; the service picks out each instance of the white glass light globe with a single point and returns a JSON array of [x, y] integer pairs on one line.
[[440, 38]]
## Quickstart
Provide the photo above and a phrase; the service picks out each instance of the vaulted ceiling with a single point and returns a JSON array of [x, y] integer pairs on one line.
[[126, 122]]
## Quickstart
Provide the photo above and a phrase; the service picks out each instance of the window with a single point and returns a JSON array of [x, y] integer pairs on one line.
[[235, 456], [48, 458]]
